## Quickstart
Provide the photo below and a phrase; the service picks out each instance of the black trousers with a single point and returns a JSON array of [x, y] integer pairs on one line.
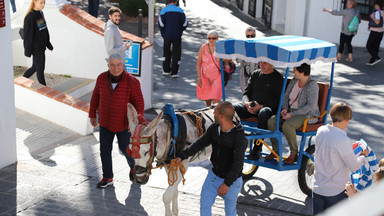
[[174, 54], [93, 7], [347, 40], [373, 44], [38, 65]]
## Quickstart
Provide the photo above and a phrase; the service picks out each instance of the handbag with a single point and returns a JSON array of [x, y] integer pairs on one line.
[[21, 33], [373, 24], [354, 24]]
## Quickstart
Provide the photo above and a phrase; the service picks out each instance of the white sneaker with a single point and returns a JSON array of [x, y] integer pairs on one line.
[[376, 61], [175, 76], [166, 74]]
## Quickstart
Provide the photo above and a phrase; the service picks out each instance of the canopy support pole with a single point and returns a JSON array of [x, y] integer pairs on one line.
[[222, 78]]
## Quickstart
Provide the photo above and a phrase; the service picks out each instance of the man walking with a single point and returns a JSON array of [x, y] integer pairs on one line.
[[261, 99], [334, 159], [228, 147], [112, 37], [246, 68], [172, 22], [114, 89]]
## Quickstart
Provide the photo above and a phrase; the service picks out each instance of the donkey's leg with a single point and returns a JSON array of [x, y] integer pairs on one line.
[[168, 195], [175, 201]]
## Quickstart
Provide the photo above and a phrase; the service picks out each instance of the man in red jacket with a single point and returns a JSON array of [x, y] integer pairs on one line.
[[114, 89]]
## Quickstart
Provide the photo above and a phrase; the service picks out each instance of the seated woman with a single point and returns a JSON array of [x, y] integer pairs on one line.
[[300, 102]]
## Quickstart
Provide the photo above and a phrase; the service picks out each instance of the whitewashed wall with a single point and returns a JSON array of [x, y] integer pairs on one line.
[[7, 103], [78, 52], [320, 24]]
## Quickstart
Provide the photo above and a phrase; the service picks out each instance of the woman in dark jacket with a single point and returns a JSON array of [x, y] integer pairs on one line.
[[36, 39]]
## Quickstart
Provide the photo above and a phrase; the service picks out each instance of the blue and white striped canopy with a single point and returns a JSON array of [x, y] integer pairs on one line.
[[284, 51]]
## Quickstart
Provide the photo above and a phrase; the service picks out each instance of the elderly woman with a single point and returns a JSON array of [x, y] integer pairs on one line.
[[300, 102], [346, 35], [209, 86]]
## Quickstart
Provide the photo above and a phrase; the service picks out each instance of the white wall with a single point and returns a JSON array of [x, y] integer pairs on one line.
[[146, 76], [294, 24], [278, 14], [327, 27], [7, 104], [78, 52], [54, 111], [259, 8]]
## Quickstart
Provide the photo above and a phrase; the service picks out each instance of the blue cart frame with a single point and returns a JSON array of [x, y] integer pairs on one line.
[[283, 51]]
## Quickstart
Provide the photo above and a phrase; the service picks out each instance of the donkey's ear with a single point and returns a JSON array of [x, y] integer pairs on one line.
[[151, 128], [132, 117]]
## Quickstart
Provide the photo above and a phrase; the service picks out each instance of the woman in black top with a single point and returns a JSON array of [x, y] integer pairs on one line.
[[36, 39]]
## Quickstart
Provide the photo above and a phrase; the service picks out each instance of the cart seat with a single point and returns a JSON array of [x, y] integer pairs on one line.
[[322, 102]]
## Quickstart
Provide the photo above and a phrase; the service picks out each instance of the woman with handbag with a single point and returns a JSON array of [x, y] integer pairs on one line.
[[346, 34], [36, 39], [209, 86], [376, 33]]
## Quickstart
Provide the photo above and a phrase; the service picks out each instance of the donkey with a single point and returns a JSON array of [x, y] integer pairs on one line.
[[144, 146]]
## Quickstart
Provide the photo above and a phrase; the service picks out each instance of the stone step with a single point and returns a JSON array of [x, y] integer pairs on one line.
[[76, 87]]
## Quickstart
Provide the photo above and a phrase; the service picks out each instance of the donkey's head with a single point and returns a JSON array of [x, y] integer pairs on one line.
[[142, 146]]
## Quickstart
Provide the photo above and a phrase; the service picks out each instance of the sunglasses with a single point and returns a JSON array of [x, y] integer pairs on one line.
[[251, 36], [212, 38]]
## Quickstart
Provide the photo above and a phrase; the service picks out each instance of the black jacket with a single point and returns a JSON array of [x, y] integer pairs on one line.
[[264, 88], [227, 151], [172, 22], [36, 35]]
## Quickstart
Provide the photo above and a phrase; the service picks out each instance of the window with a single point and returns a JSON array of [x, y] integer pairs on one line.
[[365, 7]]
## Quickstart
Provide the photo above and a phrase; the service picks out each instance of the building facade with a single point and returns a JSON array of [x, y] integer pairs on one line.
[[306, 18]]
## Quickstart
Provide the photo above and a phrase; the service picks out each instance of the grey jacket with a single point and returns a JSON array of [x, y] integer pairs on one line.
[[348, 15], [113, 40], [307, 101]]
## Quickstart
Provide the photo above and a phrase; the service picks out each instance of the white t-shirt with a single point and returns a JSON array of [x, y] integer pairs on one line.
[[114, 85]]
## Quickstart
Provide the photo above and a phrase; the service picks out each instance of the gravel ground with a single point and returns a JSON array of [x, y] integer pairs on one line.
[[51, 79]]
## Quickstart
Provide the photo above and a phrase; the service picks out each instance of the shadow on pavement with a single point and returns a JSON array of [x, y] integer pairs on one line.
[[8, 189], [258, 192]]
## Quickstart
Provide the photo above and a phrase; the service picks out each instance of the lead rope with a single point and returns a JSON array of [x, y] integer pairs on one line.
[[172, 172]]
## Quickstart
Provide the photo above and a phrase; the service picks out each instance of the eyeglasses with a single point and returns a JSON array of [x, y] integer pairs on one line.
[[251, 36], [212, 38]]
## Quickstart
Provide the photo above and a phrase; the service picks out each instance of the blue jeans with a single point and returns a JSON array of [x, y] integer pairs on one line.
[[320, 203], [106, 141], [263, 115], [209, 193], [13, 6]]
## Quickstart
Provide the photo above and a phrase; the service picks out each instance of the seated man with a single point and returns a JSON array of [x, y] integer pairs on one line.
[[261, 98]]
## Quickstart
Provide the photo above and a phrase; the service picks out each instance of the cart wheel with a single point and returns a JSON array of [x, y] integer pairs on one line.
[[249, 170], [306, 171]]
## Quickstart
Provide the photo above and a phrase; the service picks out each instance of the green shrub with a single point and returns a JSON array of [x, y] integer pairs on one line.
[[131, 7]]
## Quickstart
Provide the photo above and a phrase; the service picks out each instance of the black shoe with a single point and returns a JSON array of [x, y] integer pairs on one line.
[[254, 155], [105, 183]]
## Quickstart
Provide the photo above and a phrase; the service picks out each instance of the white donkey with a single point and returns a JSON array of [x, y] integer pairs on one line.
[[144, 146]]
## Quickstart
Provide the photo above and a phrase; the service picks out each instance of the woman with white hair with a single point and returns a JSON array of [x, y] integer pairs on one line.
[[209, 86]]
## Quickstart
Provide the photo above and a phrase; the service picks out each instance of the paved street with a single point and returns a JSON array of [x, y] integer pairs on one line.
[[57, 169]]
